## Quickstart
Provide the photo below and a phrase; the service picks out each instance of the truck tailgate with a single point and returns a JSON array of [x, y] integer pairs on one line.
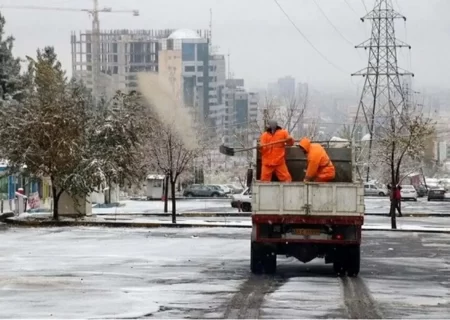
[[312, 199]]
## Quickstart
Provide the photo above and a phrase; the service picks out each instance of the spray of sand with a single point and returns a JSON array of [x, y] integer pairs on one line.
[[171, 112]]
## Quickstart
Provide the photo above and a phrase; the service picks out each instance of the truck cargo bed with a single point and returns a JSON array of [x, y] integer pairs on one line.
[[311, 199]]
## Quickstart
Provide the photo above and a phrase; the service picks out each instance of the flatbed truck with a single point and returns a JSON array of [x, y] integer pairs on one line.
[[308, 220]]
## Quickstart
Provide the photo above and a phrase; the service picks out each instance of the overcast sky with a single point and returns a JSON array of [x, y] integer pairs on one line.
[[263, 44]]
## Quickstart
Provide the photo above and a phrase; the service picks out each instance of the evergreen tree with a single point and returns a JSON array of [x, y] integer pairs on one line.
[[10, 79]]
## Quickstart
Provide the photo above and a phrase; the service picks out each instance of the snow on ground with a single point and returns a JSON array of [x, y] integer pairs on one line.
[[195, 273], [317, 296], [104, 273], [412, 285], [381, 222], [373, 205], [132, 206]]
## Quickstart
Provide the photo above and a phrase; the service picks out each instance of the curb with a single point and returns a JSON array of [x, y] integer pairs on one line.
[[150, 225], [119, 224], [238, 214], [183, 214], [442, 215], [248, 214], [179, 198]]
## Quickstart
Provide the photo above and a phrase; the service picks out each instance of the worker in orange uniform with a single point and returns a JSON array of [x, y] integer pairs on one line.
[[320, 168], [273, 156]]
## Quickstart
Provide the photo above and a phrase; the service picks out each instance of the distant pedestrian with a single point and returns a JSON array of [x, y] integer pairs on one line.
[[397, 197]]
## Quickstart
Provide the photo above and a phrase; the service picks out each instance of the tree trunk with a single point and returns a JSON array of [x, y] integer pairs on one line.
[[108, 196], [174, 201], [166, 194], [392, 214], [55, 203]]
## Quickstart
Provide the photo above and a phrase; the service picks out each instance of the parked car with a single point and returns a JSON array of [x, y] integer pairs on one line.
[[234, 189], [222, 187], [370, 189], [244, 198], [436, 193], [226, 189], [421, 190], [203, 191], [217, 187], [408, 192]]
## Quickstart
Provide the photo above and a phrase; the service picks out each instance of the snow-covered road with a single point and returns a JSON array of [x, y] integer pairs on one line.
[[204, 273], [373, 205]]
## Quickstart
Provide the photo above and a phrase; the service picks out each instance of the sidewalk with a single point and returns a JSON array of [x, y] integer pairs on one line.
[[44, 220]]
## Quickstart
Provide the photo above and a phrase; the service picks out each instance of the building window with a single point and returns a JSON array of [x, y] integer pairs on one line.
[[200, 68], [202, 52], [200, 79], [189, 68], [188, 51]]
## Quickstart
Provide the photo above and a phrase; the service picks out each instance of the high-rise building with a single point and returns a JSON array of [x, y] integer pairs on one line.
[[123, 54], [236, 115], [185, 59], [286, 86]]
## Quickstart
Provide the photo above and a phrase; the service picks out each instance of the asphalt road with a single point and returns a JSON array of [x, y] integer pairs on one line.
[[406, 221], [204, 273]]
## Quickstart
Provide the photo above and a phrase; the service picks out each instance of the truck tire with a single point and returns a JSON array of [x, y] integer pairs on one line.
[[338, 267], [256, 259], [246, 207], [262, 259], [353, 261]]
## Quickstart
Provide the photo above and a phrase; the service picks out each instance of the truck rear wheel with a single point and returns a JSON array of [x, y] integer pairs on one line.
[[246, 207], [338, 267], [353, 260], [262, 259], [347, 261]]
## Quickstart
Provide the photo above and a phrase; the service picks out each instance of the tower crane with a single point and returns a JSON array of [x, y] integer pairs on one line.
[[94, 12]]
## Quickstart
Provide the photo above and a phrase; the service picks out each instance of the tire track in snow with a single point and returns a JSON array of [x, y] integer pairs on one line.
[[358, 300], [247, 302]]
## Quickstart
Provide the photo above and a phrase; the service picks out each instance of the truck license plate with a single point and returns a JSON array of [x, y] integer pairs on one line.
[[306, 232]]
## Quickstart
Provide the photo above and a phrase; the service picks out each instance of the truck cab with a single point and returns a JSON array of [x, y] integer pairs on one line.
[[308, 220]]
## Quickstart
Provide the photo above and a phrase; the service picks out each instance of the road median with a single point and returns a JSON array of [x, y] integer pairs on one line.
[[89, 222], [248, 214]]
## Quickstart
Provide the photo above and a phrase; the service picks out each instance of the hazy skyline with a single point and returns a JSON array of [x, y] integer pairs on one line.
[[262, 43]]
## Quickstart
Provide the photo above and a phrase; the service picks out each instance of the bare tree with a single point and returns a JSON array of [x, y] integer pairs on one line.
[[288, 110], [345, 132], [400, 142], [168, 152]]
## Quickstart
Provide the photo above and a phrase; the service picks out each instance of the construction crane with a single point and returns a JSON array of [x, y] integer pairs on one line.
[[96, 41]]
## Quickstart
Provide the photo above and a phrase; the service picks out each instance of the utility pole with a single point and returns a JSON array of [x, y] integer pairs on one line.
[[382, 95]]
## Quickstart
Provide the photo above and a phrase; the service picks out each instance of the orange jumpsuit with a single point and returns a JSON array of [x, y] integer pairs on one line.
[[320, 168], [273, 157]]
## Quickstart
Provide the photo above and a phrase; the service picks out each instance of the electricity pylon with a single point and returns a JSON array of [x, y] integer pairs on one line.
[[382, 96]]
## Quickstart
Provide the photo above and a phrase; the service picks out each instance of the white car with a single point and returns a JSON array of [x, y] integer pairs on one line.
[[371, 189], [408, 192], [244, 199]]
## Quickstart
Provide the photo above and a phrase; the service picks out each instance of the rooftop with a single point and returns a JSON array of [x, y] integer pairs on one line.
[[184, 34]]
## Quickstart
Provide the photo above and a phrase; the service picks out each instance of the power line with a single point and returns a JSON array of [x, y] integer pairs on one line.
[[305, 38], [364, 4], [351, 8], [332, 24]]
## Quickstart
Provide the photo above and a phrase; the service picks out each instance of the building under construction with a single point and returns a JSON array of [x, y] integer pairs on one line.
[[122, 54]]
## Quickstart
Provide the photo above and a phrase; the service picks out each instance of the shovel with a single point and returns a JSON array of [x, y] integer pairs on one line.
[[228, 151]]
